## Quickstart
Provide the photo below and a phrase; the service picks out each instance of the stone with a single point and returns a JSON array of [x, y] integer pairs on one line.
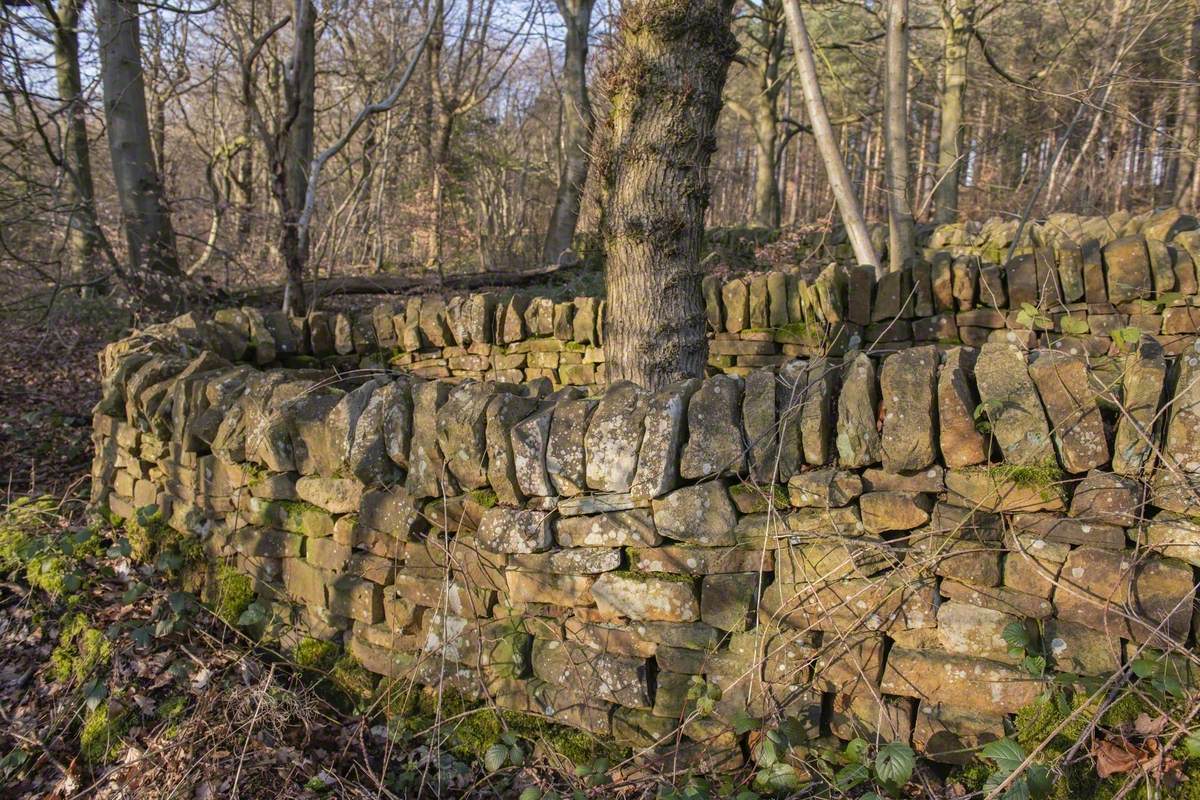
[[1069, 257], [970, 630], [1032, 564], [824, 488], [960, 441], [816, 417], [1104, 497], [691, 560], [390, 511], [1182, 446], [907, 386], [931, 479], [728, 601], [759, 421], [869, 716], [356, 598], [504, 411], [1094, 288], [894, 511], [759, 312], [1144, 377], [396, 424], [507, 530], [427, 476], [1070, 403], [565, 463], [942, 279], [1127, 265], [994, 489], [617, 679], [645, 597], [530, 438], [1056, 528], [999, 598], [462, 432], [710, 287], [701, 514], [598, 504], [817, 559], [1079, 650], [715, 441], [736, 300], [336, 495], [959, 681], [586, 311], [614, 437], [1173, 535], [952, 735], [960, 555], [614, 529], [368, 458], [857, 437], [966, 272], [542, 587], [790, 386], [664, 429], [898, 600], [1110, 591], [1012, 406]]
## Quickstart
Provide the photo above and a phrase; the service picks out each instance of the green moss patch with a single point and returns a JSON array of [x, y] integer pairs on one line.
[[234, 593], [82, 650], [100, 738]]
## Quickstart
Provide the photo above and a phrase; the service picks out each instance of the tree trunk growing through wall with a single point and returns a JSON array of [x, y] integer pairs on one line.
[[901, 233], [957, 17], [78, 189], [148, 230], [576, 131], [665, 87]]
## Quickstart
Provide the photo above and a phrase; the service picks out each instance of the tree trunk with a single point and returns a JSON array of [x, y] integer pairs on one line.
[[576, 133], [301, 91], [665, 87], [148, 231], [901, 233], [814, 102], [78, 189], [1189, 115], [957, 16], [766, 179]]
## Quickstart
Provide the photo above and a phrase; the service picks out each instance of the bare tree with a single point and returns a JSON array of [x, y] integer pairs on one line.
[[146, 217], [835, 168], [902, 236], [576, 129], [665, 87]]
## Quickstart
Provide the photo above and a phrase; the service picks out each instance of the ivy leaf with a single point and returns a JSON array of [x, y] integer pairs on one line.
[[894, 764], [495, 757]]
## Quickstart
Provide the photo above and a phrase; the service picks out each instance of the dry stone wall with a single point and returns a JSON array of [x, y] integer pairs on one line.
[[840, 539], [1086, 286]]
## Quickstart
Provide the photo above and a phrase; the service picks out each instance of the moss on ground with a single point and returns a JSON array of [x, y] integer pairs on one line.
[[82, 650], [100, 738], [234, 594]]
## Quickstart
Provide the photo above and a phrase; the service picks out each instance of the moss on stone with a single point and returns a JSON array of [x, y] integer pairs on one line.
[[81, 650], [1044, 476], [484, 497], [670, 577], [100, 738], [352, 678], [234, 594], [315, 654]]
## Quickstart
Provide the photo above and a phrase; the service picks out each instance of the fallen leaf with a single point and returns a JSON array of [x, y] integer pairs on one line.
[[1145, 726], [1116, 755]]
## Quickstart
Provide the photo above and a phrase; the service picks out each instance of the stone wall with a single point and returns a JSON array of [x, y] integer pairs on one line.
[[1084, 286], [841, 541]]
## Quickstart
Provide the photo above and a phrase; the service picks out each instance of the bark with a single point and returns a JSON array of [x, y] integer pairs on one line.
[[665, 87], [814, 102], [576, 132], [957, 18], [148, 231], [78, 189], [901, 233], [300, 93], [1189, 115]]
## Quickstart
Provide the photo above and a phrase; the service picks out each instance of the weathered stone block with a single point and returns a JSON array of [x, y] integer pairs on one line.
[[641, 596], [664, 428], [507, 530], [565, 461], [612, 529], [908, 384], [614, 437], [1070, 402], [701, 514], [857, 437], [824, 488], [728, 601], [959, 681], [894, 511], [1012, 406], [715, 441]]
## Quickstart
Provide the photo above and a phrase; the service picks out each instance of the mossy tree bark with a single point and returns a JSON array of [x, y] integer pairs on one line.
[[664, 86]]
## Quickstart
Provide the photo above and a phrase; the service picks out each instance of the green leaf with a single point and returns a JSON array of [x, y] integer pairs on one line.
[[1037, 777], [856, 750], [1192, 743], [894, 764], [744, 723], [1074, 326], [1144, 667], [531, 793], [1015, 634], [1035, 665], [778, 778], [179, 601], [1007, 754], [849, 777], [253, 615], [134, 592], [495, 757], [766, 753]]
